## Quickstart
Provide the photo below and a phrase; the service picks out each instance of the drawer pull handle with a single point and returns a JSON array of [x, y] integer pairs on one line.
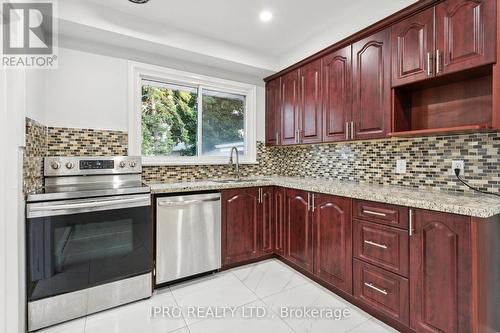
[[382, 291], [382, 246], [374, 213]]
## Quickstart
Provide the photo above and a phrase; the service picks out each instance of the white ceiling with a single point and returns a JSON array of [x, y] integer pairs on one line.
[[231, 29]]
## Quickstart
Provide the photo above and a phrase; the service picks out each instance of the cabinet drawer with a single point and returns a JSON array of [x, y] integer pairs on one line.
[[384, 291], [396, 216], [383, 246]]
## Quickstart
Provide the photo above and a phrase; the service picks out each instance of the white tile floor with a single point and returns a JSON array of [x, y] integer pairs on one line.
[[266, 288]]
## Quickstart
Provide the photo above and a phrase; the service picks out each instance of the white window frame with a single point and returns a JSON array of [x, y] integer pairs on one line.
[[139, 71]]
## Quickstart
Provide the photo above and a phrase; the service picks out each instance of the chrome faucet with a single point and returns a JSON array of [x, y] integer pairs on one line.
[[237, 161]]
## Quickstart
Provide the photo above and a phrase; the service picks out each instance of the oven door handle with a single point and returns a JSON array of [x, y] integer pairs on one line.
[[80, 207]]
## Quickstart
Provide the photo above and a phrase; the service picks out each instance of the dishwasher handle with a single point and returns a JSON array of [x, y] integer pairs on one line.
[[184, 203]]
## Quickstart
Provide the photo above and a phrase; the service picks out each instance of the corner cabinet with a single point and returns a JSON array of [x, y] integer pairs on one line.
[[371, 68], [440, 273]]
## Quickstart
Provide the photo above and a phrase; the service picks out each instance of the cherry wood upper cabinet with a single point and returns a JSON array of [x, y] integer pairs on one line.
[[440, 273], [372, 86], [279, 221], [465, 34], [413, 48], [267, 219], [273, 112], [310, 108], [337, 90], [298, 229], [290, 108], [333, 241], [240, 223]]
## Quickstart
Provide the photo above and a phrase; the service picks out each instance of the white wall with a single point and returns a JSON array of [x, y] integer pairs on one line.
[[12, 224], [89, 90]]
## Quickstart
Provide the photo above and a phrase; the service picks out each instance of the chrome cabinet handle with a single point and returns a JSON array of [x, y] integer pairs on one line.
[[382, 246], [308, 201], [410, 222], [429, 70], [347, 130], [352, 130], [438, 56], [260, 194], [371, 212], [277, 137], [312, 203], [370, 285]]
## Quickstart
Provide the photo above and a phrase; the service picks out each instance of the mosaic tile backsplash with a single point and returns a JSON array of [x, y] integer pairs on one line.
[[428, 159], [35, 150], [86, 142]]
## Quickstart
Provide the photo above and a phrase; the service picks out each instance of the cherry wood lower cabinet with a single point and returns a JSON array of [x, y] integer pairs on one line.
[[267, 219], [333, 240], [240, 225], [385, 291], [441, 273], [279, 221], [298, 228]]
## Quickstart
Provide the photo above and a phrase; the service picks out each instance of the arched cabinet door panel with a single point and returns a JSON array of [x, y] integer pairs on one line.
[[298, 228], [465, 34], [240, 225], [337, 91], [413, 48], [372, 86], [333, 240], [440, 272]]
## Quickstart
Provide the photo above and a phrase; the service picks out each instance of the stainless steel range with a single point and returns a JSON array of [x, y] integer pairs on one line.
[[89, 238]]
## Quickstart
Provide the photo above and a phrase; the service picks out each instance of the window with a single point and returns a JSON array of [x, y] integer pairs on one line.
[[184, 118]]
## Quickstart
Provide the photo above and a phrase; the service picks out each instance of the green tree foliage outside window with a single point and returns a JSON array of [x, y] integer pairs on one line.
[[169, 120]]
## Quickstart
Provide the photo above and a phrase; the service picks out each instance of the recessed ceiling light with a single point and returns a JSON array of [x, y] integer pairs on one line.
[[139, 1], [265, 16]]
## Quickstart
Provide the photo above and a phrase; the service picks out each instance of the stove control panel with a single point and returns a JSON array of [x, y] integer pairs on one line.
[[78, 166]]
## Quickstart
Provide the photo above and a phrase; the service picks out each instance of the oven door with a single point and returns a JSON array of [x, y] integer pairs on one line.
[[77, 244]]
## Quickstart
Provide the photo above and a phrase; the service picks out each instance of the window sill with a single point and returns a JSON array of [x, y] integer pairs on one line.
[[169, 162]]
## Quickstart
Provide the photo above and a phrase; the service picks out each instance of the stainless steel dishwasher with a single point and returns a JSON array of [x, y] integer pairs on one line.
[[188, 236]]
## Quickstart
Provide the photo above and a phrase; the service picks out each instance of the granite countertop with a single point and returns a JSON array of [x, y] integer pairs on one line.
[[476, 205]]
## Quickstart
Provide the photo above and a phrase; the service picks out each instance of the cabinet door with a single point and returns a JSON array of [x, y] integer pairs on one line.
[[465, 34], [289, 108], [413, 48], [298, 228], [279, 221], [371, 86], [267, 220], [310, 103], [337, 90], [440, 273], [273, 112], [240, 222], [333, 241]]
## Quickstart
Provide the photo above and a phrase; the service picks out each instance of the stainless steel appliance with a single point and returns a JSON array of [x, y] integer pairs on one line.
[[188, 236], [88, 238]]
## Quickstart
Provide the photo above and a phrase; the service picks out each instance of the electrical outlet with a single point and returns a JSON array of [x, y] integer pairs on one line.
[[459, 164], [401, 166]]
